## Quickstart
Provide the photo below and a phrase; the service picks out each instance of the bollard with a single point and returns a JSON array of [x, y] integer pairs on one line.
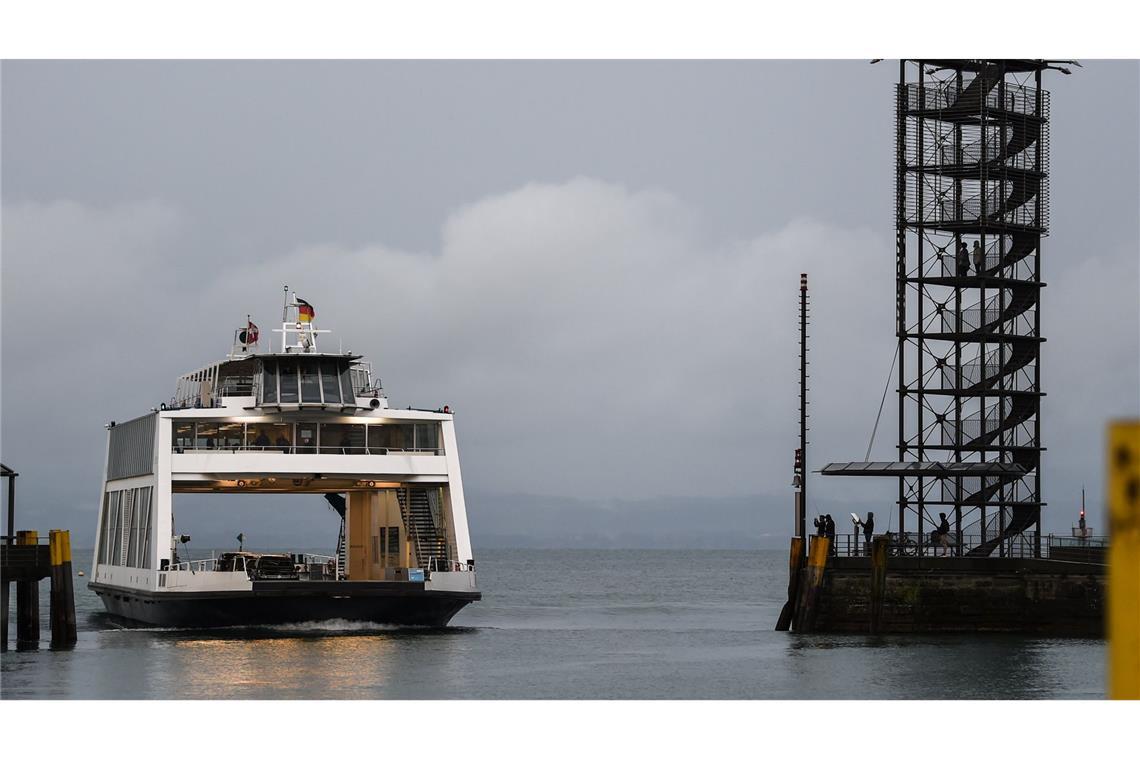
[[795, 565], [63, 633], [27, 602], [810, 584], [1124, 560], [878, 579]]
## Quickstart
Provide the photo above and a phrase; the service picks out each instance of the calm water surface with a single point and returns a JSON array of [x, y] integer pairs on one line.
[[560, 624]]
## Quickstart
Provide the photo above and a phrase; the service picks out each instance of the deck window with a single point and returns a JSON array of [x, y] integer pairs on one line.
[[427, 436], [282, 435], [342, 439], [385, 438], [231, 435], [259, 436], [306, 438], [207, 435], [184, 435]]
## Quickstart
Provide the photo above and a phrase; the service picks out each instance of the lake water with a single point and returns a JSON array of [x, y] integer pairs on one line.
[[567, 624]]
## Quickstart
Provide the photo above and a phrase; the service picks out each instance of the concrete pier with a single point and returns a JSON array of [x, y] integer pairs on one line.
[[957, 595]]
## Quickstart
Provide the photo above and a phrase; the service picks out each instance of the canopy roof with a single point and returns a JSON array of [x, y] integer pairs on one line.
[[923, 469]]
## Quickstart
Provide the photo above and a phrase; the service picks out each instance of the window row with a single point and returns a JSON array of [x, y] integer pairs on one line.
[[124, 536], [307, 437], [310, 382]]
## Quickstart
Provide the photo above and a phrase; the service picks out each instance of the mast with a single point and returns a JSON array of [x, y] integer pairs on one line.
[[801, 453]]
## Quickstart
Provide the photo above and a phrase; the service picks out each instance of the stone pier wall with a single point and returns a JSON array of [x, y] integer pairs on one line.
[[937, 595]]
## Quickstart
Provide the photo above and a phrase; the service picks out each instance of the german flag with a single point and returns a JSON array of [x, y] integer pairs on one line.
[[305, 310]]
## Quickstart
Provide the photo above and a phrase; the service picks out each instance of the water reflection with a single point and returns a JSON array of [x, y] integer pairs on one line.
[[979, 666], [334, 661]]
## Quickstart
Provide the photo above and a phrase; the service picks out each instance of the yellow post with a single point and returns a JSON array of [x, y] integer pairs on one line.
[[63, 631], [1124, 560], [818, 550], [795, 566]]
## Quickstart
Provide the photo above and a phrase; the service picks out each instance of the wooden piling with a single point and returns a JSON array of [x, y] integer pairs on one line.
[[878, 579], [810, 584], [4, 624], [795, 566], [63, 632], [27, 602]]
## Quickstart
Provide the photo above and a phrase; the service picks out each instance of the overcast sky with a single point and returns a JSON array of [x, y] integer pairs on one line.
[[595, 263]]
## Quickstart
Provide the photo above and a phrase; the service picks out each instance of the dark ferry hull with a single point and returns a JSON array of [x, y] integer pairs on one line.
[[277, 602]]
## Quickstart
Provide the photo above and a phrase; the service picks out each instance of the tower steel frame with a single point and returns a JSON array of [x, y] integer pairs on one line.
[[972, 208]]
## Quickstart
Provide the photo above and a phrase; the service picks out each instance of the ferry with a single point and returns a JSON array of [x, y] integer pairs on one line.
[[295, 421]]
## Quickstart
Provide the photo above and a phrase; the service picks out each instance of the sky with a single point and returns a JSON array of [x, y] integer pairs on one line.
[[595, 264]]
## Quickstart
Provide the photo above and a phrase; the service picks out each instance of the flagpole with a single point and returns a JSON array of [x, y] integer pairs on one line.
[[284, 319]]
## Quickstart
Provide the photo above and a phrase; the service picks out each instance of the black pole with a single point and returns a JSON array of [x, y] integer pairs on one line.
[[11, 508], [803, 407]]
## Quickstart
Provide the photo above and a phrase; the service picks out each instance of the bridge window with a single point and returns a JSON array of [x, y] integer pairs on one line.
[[310, 383], [330, 382], [288, 372], [269, 383]]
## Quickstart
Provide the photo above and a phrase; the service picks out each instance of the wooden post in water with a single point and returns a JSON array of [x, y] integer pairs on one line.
[[27, 602], [63, 634], [878, 579], [795, 567], [810, 584], [4, 624]]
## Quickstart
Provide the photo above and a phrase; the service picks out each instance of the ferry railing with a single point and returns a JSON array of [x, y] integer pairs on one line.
[[194, 566], [448, 565], [1019, 546], [291, 449]]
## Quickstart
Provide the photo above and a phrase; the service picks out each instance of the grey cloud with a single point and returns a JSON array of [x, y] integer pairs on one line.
[[600, 276]]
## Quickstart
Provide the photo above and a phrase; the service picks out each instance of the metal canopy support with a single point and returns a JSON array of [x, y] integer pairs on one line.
[[924, 469], [11, 475]]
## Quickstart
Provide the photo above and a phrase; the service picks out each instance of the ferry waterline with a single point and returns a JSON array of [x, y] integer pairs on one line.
[[296, 421]]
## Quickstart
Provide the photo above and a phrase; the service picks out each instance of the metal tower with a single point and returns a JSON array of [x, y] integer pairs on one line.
[[972, 206]]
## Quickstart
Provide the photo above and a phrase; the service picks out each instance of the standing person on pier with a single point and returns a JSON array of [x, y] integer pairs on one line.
[[868, 531], [943, 532], [829, 531]]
